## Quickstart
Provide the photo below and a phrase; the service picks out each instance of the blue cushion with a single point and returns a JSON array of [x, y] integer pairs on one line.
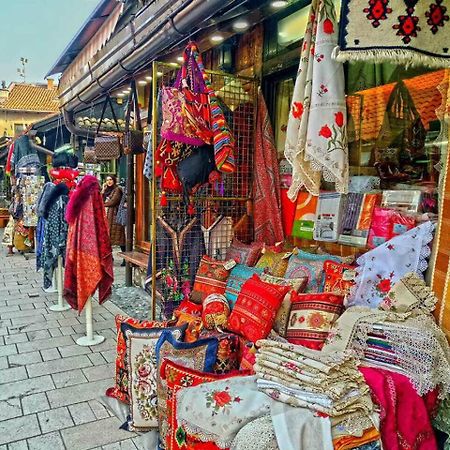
[[238, 276]]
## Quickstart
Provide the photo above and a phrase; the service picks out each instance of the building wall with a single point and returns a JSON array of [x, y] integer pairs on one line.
[[8, 120]]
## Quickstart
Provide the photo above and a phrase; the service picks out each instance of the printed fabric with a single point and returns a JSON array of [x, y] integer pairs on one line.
[[316, 137], [30, 187], [406, 32], [266, 186], [275, 263], [238, 276], [246, 254], [380, 268], [216, 311], [256, 435]]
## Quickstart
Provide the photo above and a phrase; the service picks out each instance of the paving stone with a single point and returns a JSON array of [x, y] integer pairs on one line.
[[101, 432], [50, 441], [15, 338], [19, 428], [68, 322], [10, 409], [110, 355], [13, 374], [58, 365], [55, 419], [68, 378], [28, 321], [55, 332], [35, 403], [27, 387], [81, 413], [73, 394], [4, 362], [96, 359], [73, 350], [67, 331], [27, 306], [102, 372], [21, 314], [45, 344], [123, 445], [99, 409], [24, 358], [6, 350], [39, 334], [19, 445], [50, 354]]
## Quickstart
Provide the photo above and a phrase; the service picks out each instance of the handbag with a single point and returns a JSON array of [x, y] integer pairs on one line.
[[107, 147], [89, 156], [133, 140]]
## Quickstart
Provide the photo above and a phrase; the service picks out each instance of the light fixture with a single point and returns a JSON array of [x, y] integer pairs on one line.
[[279, 4], [217, 38], [120, 94], [180, 59], [160, 74], [241, 24], [173, 64], [125, 92], [142, 82], [148, 78]]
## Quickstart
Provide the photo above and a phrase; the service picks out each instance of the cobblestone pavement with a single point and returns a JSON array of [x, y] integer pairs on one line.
[[50, 388]]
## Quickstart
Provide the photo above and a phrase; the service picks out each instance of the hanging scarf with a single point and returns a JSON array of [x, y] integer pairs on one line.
[[266, 190], [89, 263], [316, 137]]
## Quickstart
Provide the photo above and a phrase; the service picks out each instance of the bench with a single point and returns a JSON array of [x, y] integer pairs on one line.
[[135, 258]]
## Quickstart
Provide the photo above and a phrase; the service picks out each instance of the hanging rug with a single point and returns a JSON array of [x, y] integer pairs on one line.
[[409, 32]]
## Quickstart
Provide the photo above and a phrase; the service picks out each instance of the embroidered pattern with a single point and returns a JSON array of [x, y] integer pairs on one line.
[[377, 10], [436, 16]]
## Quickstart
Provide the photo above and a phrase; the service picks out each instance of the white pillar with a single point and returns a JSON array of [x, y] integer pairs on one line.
[[60, 285], [90, 338]]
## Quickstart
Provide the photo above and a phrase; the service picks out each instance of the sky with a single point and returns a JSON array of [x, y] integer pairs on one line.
[[38, 30]]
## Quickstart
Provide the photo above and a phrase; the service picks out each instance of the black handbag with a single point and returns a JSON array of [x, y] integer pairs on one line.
[[133, 140]]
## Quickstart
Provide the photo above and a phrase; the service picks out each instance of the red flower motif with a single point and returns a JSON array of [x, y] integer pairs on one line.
[[325, 132], [328, 26], [384, 285], [222, 398], [297, 110], [301, 319], [339, 119]]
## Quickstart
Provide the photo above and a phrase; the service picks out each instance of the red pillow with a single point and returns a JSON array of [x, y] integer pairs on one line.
[[339, 278], [246, 254], [255, 309], [179, 377], [211, 278], [311, 318], [191, 308]]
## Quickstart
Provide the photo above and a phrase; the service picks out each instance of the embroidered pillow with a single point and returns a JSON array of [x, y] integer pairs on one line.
[[248, 358], [227, 352], [274, 263], [282, 317], [200, 355], [307, 264], [178, 377], [339, 278], [256, 308], [246, 254], [311, 318], [193, 325], [239, 275], [188, 307], [120, 390], [216, 311], [211, 278]]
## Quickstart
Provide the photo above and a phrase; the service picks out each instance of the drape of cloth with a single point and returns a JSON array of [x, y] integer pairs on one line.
[[316, 140], [8, 233], [40, 233], [405, 423], [24, 155], [30, 188], [266, 187], [89, 262]]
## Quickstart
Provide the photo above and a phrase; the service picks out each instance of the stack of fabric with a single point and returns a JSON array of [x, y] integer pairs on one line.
[[328, 384]]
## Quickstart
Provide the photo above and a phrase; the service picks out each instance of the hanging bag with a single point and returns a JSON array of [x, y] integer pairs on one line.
[[133, 140], [89, 156], [107, 147]]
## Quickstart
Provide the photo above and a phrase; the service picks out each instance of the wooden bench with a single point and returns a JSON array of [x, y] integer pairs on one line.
[[135, 258]]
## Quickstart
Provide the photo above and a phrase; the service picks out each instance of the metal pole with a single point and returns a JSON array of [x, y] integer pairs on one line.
[[130, 217], [90, 338]]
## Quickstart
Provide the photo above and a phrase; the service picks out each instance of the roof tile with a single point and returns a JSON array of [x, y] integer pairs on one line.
[[30, 97]]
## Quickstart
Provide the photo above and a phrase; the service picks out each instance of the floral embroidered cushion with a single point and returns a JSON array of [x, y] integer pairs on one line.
[[120, 390], [246, 254], [282, 317], [200, 355], [216, 311], [178, 377], [307, 264], [255, 309], [248, 358], [193, 325], [339, 278], [274, 263], [239, 275], [211, 278], [311, 318]]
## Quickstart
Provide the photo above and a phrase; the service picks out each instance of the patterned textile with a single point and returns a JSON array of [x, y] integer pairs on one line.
[[120, 389], [274, 263], [328, 217], [177, 378], [281, 319], [406, 32], [200, 356], [122, 210], [194, 325], [89, 262], [30, 187], [305, 215], [266, 186], [148, 162], [8, 233], [211, 278], [316, 137], [227, 352], [218, 237], [23, 155], [256, 435], [383, 266], [55, 236], [215, 311], [339, 278], [188, 307], [442, 421], [404, 417], [255, 309], [304, 264], [238, 276], [311, 318], [363, 183], [246, 254], [248, 358], [143, 375], [351, 442], [216, 411], [40, 232]]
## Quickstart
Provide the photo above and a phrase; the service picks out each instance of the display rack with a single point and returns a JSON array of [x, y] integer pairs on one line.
[[223, 210]]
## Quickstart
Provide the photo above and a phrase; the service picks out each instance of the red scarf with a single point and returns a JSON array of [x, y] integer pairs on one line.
[[89, 262]]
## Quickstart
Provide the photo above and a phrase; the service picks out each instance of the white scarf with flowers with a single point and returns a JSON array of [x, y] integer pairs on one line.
[[316, 141]]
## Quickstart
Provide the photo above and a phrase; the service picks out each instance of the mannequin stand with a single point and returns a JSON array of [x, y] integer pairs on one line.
[[59, 283], [90, 338]]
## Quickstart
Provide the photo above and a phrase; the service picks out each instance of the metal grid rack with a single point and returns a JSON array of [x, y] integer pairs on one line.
[[222, 210]]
